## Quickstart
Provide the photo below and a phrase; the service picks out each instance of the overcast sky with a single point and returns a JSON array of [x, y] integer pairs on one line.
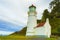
[[15, 11]]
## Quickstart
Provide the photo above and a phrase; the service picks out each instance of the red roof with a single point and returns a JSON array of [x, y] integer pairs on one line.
[[40, 24]]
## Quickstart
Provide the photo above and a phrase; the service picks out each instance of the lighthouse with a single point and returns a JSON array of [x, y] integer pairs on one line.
[[42, 29], [32, 21]]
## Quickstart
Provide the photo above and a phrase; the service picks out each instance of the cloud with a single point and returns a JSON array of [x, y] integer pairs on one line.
[[15, 11], [9, 10], [5, 32], [7, 26]]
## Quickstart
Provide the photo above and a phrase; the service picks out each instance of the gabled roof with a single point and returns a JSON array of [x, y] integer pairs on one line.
[[43, 23], [40, 24]]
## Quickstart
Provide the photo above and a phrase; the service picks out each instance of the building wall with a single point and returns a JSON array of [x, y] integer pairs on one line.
[[32, 22], [44, 30]]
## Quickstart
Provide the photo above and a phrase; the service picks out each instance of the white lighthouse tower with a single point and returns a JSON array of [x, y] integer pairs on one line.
[[32, 21]]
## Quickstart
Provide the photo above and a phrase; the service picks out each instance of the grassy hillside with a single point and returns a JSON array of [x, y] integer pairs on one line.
[[21, 33]]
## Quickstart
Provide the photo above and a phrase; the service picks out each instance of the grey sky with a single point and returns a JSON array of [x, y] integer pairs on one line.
[[15, 11]]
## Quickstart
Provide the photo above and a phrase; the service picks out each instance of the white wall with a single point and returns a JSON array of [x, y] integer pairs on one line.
[[32, 22], [44, 30]]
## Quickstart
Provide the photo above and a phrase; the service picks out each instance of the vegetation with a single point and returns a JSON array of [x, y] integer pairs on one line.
[[55, 17], [17, 37], [21, 33], [45, 15]]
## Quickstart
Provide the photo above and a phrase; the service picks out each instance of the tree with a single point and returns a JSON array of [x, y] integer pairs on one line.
[[45, 15], [54, 16], [54, 3]]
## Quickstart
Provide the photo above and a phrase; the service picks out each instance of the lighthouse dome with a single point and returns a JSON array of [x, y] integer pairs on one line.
[[32, 8]]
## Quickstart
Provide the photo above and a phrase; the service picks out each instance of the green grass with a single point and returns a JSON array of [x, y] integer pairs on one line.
[[17, 37]]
